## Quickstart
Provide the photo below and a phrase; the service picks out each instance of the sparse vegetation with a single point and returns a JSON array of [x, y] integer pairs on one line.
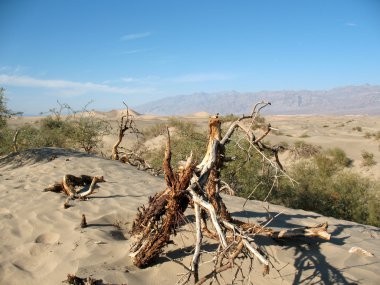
[[325, 184], [302, 149], [368, 158], [77, 130], [228, 118], [185, 140], [367, 135], [357, 128]]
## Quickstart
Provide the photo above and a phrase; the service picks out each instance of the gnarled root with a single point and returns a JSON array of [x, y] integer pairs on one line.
[[200, 186], [70, 182], [154, 225]]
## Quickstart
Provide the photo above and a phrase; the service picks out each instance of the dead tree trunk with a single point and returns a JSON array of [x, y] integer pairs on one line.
[[155, 224], [126, 123]]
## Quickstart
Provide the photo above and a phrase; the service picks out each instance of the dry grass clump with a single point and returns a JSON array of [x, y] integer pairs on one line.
[[368, 158], [302, 149]]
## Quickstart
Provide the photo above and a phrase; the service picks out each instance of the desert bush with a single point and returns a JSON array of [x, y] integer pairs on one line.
[[367, 158], [53, 132], [5, 113], [185, 140], [154, 131], [77, 131], [324, 184], [340, 194], [6, 137], [302, 149], [247, 172], [86, 133], [228, 118], [357, 128], [367, 135], [339, 156]]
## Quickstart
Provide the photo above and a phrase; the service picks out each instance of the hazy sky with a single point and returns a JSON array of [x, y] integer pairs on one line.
[[138, 51]]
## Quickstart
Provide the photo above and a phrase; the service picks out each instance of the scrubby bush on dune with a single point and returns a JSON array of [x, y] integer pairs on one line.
[[81, 131], [86, 133], [330, 191], [184, 141], [367, 158], [154, 131], [302, 149]]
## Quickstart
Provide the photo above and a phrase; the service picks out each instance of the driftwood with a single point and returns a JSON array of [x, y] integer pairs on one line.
[[69, 185], [200, 185]]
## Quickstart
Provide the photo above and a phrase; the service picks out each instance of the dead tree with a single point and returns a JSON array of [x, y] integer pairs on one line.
[[126, 123], [200, 185]]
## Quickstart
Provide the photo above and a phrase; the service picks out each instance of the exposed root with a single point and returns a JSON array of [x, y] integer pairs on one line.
[[200, 186], [70, 182]]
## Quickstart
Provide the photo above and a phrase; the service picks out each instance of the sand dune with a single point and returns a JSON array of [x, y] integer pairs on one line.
[[41, 242]]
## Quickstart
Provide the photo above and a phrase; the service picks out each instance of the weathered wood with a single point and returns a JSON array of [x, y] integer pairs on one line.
[[68, 186], [155, 224]]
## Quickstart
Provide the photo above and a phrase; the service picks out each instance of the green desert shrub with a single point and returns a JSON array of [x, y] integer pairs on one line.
[[6, 138], [357, 128], [86, 133], [228, 118], [185, 140], [5, 113], [154, 131], [246, 173], [324, 184], [339, 156], [340, 194], [81, 132]]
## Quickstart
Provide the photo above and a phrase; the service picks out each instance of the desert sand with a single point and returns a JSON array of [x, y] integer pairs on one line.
[[41, 242]]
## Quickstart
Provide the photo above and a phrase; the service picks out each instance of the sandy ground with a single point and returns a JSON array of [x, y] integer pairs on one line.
[[41, 242]]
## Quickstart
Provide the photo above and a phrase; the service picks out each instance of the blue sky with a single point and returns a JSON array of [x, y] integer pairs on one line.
[[111, 51]]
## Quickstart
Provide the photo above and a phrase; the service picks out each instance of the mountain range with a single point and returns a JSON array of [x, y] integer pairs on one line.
[[348, 100]]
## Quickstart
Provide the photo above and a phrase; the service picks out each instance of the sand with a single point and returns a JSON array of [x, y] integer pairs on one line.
[[41, 242]]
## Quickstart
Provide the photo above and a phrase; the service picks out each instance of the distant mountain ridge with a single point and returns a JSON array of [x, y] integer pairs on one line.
[[348, 100]]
